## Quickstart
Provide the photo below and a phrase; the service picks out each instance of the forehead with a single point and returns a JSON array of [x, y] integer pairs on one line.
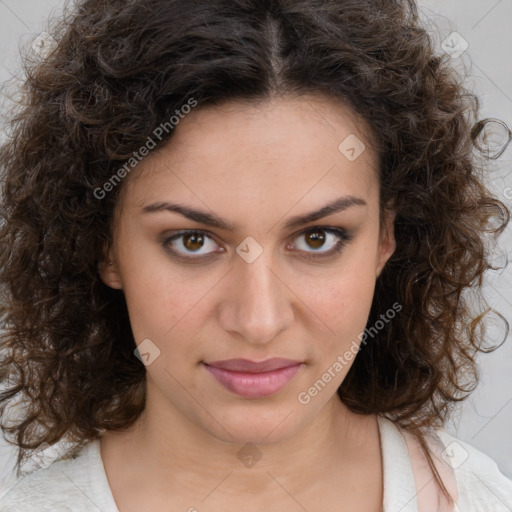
[[285, 147], [298, 122]]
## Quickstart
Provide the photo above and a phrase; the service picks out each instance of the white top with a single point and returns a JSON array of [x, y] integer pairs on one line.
[[80, 484]]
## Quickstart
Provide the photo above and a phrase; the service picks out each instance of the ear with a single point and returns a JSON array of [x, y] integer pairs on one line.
[[387, 243], [109, 271]]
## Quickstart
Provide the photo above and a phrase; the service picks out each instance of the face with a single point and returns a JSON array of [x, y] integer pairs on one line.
[[221, 258]]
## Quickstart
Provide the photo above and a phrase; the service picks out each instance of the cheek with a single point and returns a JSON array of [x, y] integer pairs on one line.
[[164, 304], [340, 303], [343, 305]]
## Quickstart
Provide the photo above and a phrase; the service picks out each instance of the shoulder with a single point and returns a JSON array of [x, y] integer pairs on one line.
[[481, 485], [471, 477], [65, 485]]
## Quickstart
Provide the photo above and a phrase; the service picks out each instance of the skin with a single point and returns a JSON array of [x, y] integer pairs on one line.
[[254, 165]]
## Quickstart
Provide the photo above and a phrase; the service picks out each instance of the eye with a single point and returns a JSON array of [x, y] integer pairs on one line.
[[323, 240], [197, 242]]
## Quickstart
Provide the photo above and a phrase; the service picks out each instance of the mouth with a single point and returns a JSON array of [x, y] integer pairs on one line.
[[253, 379]]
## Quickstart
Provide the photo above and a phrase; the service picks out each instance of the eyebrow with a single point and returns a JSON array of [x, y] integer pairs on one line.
[[213, 220]]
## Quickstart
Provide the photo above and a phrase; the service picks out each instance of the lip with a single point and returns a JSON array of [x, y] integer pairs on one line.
[[253, 379], [248, 366]]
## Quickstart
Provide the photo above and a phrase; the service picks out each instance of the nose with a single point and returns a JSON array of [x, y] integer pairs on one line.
[[256, 302]]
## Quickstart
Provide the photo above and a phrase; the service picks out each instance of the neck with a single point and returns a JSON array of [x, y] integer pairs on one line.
[[174, 453]]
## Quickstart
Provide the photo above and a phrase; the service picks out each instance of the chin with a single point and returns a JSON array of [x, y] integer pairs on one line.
[[264, 424]]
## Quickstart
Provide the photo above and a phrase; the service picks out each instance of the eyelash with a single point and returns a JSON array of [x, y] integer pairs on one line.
[[342, 234]]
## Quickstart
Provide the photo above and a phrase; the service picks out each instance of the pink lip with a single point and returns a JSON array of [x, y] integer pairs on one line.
[[254, 379]]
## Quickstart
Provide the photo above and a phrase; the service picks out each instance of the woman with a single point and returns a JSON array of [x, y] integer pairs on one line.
[[210, 209]]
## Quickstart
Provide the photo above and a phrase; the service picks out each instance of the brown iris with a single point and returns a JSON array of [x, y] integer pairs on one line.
[[193, 241], [316, 238]]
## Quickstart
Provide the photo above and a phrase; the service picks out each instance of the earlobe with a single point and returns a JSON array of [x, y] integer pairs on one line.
[[109, 271]]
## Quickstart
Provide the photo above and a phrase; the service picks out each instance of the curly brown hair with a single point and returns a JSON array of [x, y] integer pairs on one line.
[[120, 69]]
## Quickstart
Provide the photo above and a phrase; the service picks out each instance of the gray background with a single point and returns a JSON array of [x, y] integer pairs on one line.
[[485, 420]]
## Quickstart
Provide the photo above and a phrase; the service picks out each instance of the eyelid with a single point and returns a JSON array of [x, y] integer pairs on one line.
[[341, 233]]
